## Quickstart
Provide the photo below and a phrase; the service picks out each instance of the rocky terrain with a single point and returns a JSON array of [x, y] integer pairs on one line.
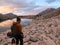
[[41, 31]]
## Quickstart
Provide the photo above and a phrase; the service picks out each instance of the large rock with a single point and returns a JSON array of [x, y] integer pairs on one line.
[[48, 41], [34, 39]]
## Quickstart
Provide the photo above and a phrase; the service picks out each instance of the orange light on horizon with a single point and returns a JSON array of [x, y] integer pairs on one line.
[[6, 9]]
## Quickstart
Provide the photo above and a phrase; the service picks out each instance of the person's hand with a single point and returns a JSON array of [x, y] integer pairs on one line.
[[22, 35]]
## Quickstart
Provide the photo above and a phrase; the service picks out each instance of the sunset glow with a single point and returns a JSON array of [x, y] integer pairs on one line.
[[5, 9], [27, 7]]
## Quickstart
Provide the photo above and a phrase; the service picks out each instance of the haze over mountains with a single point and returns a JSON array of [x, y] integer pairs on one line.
[[49, 11]]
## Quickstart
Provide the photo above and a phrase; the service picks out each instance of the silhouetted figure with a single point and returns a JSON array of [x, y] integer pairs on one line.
[[17, 33]]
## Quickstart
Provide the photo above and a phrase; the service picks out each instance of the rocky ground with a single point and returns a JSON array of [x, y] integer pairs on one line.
[[39, 32]]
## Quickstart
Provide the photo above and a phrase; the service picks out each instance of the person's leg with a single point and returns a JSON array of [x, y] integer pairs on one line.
[[17, 40], [21, 39], [12, 41]]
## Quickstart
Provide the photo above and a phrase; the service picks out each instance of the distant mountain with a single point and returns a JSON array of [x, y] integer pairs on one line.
[[46, 11], [52, 14], [49, 10], [10, 16], [4, 17], [1, 16]]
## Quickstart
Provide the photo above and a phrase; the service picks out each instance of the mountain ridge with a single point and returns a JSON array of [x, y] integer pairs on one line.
[[7, 16], [48, 10]]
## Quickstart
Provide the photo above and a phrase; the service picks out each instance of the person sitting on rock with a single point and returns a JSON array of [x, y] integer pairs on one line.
[[17, 33]]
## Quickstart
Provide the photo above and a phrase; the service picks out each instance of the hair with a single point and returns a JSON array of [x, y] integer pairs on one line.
[[18, 19]]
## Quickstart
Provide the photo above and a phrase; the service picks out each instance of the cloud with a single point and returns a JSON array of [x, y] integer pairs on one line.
[[36, 10], [50, 1], [19, 6], [17, 3]]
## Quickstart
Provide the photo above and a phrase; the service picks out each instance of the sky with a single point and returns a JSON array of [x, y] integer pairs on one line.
[[27, 7]]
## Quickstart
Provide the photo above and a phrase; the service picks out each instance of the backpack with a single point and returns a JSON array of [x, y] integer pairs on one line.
[[14, 29], [9, 34]]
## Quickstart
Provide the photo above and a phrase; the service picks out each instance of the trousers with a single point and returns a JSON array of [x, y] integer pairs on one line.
[[18, 38]]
